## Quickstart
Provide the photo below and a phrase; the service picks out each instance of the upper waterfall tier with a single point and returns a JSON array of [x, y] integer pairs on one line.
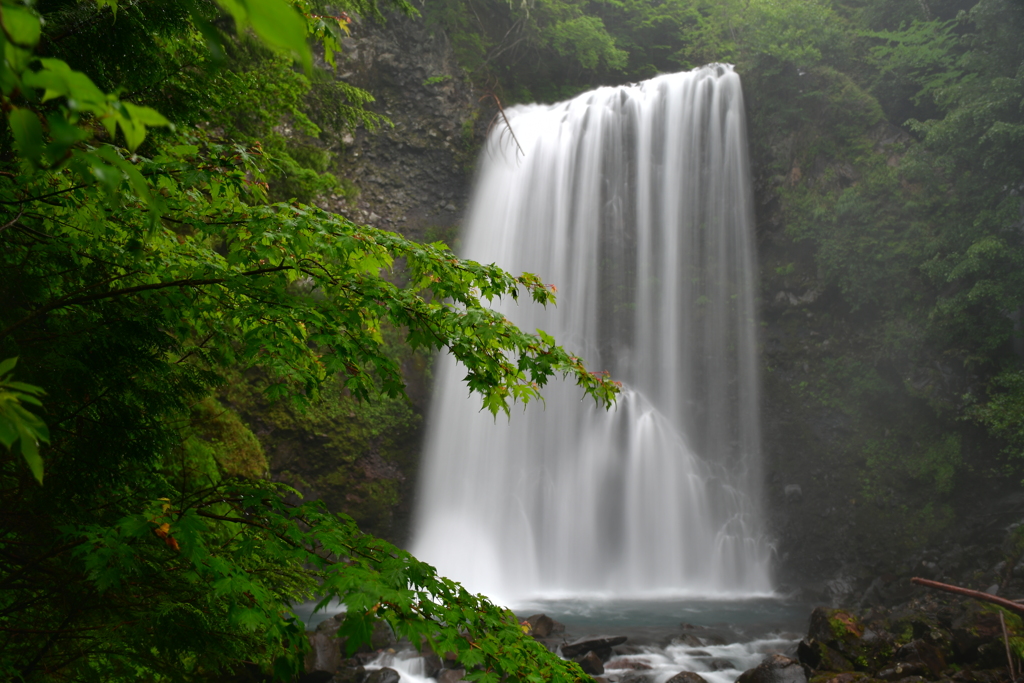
[[635, 202]]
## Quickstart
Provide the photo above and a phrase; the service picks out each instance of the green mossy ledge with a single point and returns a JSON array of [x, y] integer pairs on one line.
[[359, 458]]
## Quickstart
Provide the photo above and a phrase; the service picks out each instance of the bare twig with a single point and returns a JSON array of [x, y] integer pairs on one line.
[[1006, 642], [508, 124]]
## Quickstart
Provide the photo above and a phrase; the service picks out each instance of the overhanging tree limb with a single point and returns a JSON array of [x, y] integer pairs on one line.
[[967, 592]]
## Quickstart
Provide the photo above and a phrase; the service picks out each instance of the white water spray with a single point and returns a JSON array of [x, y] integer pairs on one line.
[[636, 203]]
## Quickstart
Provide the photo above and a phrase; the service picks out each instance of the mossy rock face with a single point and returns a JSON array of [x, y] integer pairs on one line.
[[834, 625], [846, 677], [357, 457], [236, 449], [839, 640], [977, 635], [821, 657]]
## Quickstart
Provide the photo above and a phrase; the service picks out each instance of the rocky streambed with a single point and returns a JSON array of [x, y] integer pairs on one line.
[[929, 638]]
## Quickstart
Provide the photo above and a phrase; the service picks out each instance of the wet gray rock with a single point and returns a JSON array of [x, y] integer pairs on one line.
[[689, 640], [687, 677], [324, 647], [451, 676], [601, 646], [590, 663], [924, 653], [775, 669], [384, 675], [541, 625], [901, 670]]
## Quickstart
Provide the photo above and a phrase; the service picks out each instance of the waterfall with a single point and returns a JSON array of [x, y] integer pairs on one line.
[[635, 202]]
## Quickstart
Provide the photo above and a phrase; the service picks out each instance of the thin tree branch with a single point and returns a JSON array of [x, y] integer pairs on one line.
[[967, 592]]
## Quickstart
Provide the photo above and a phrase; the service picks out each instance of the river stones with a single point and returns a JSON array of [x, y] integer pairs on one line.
[[451, 676], [687, 677], [590, 663], [775, 669], [600, 645], [383, 675], [542, 626]]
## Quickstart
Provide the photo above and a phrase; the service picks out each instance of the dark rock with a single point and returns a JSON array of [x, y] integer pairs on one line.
[[451, 676], [350, 672], [719, 664], [831, 625], [919, 651], [590, 663], [325, 648], [383, 637], [972, 629], [847, 677], [901, 670], [627, 663], [316, 677], [383, 675], [821, 657], [431, 665], [972, 676], [775, 669], [689, 640], [635, 677], [807, 652], [687, 677], [541, 625], [601, 645]]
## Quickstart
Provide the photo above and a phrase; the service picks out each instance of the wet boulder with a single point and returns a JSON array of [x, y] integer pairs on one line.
[[325, 647], [687, 677], [923, 653], [628, 663], [451, 676], [821, 657], [775, 669], [600, 645], [845, 677], [383, 675], [350, 671], [689, 640], [719, 664], [540, 625], [972, 633], [837, 640], [590, 663]]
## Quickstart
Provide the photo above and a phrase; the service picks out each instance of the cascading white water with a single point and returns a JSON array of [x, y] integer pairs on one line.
[[636, 203]]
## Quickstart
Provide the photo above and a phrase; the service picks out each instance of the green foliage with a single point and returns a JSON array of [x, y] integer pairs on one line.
[[587, 41], [17, 423], [1003, 412], [139, 270]]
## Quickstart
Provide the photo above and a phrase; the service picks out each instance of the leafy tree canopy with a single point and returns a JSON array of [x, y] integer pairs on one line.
[[141, 260]]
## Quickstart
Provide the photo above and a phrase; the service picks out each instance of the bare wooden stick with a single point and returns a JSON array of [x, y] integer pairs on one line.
[[977, 595], [1006, 642]]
